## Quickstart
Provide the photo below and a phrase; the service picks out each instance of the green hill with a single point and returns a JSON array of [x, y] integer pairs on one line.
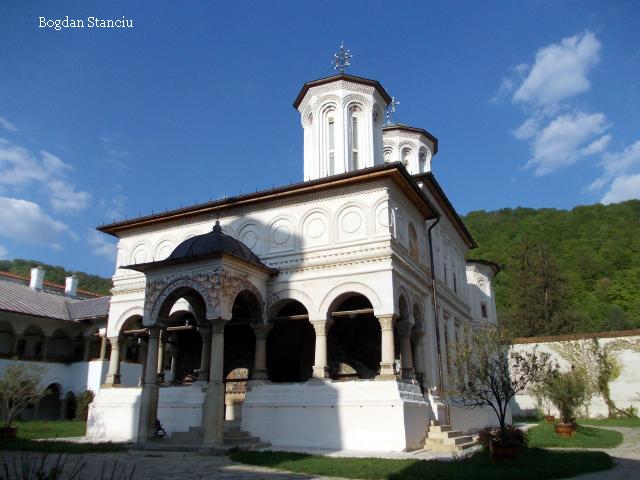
[[596, 249], [57, 274]]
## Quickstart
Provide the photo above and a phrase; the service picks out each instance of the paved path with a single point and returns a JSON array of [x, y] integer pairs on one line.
[[171, 466]]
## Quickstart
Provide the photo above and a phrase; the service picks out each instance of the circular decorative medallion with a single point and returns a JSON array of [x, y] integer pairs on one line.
[[281, 234], [384, 217], [250, 239], [315, 228], [351, 222]]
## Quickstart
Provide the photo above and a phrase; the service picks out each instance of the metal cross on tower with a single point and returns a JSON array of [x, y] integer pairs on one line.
[[342, 58], [391, 108]]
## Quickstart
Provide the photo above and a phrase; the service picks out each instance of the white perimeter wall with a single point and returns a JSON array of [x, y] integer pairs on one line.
[[624, 390]]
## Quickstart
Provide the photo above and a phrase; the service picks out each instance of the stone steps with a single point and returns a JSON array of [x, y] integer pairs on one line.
[[443, 437]]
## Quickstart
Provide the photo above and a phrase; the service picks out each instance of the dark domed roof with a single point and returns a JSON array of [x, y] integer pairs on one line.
[[207, 245], [214, 242]]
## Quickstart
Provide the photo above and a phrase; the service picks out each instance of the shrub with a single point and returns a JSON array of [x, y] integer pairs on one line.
[[568, 391], [19, 388], [512, 434], [82, 404]]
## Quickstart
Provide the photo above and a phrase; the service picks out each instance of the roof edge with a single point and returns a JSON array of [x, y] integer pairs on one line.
[[373, 83], [495, 266], [421, 131]]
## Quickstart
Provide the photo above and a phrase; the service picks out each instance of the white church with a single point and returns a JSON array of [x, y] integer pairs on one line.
[[302, 316]]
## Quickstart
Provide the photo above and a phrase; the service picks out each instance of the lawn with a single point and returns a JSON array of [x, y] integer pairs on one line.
[[31, 431], [604, 422], [587, 437], [533, 464]]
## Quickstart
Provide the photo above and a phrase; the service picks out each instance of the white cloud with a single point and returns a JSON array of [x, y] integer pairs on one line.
[[101, 245], [597, 146], [559, 143], [621, 173], [64, 198], [560, 71], [527, 130], [25, 221], [19, 168], [625, 187], [3, 252], [7, 125]]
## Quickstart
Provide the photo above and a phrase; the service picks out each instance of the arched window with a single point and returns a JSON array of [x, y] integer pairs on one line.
[[355, 154], [406, 156], [332, 146], [422, 160]]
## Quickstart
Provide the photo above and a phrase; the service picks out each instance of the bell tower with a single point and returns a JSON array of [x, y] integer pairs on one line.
[[342, 117]]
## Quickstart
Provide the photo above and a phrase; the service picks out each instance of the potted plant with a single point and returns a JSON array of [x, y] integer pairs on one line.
[[485, 372], [543, 403], [19, 388], [567, 391]]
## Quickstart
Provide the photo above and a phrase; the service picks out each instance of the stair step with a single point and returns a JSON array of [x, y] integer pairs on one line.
[[440, 428], [449, 434], [451, 448], [435, 423], [448, 441], [236, 434], [197, 430]]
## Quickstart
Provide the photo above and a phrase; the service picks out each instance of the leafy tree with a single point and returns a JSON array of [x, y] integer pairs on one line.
[[568, 391], [485, 372], [19, 388], [596, 249]]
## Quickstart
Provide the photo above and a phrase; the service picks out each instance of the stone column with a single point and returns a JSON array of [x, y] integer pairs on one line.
[[150, 391], [113, 376], [214, 400], [161, 358], [260, 365], [418, 355], [103, 349], [320, 368], [87, 350], [404, 331], [46, 341], [388, 350], [173, 350], [63, 408], [205, 358], [144, 346]]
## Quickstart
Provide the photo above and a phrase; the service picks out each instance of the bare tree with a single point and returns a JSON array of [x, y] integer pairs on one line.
[[19, 388], [485, 371]]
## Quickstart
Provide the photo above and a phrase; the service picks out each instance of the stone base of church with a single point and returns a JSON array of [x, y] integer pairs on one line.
[[389, 416], [114, 413], [467, 420]]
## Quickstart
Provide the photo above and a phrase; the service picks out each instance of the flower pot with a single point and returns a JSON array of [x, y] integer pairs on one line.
[[8, 432], [565, 430], [503, 451], [549, 418]]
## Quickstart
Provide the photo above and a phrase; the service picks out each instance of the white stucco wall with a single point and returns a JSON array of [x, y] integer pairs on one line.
[[624, 390]]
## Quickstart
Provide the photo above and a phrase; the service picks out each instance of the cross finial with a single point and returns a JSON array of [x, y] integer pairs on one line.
[[342, 58], [391, 108]]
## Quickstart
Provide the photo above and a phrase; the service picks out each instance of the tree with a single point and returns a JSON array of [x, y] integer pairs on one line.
[[538, 292], [19, 388], [486, 372], [567, 391]]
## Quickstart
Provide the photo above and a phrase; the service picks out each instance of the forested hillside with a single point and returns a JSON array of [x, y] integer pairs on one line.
[[563, 271], [57, 274]]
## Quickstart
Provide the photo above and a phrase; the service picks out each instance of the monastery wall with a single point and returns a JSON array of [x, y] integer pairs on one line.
[[625, 390]]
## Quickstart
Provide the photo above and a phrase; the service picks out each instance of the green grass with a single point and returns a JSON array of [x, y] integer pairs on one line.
[[544, 436], [33, 430], [533, 464], [28, 432], [604, 422]]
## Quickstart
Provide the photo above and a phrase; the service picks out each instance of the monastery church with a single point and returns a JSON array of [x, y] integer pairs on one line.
[[310, 315]]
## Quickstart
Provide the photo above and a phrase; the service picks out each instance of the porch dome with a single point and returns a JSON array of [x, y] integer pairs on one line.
[[214, 243]]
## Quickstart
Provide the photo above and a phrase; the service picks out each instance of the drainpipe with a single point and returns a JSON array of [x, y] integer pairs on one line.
[[435, 316]]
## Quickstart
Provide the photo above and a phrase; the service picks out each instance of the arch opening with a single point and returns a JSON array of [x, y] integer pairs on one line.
[[291, 343], [354, 339]]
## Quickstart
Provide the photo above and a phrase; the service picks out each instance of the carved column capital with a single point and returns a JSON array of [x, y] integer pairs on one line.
[[404, 329], [322, 326], [387, 321], [217, 325], [261, 330]]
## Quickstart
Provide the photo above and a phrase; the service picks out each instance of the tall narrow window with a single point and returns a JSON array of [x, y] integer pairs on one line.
[[455, 284], [445, 274], [354, 143], [332, 143], [483, 310]]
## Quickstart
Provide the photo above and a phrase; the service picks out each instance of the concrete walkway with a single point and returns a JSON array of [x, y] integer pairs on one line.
[[165, 466]]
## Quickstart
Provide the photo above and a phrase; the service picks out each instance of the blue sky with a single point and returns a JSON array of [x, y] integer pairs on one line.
[[534, 104]]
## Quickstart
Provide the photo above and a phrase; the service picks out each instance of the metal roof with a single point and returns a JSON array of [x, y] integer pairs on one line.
[[22, 299]]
